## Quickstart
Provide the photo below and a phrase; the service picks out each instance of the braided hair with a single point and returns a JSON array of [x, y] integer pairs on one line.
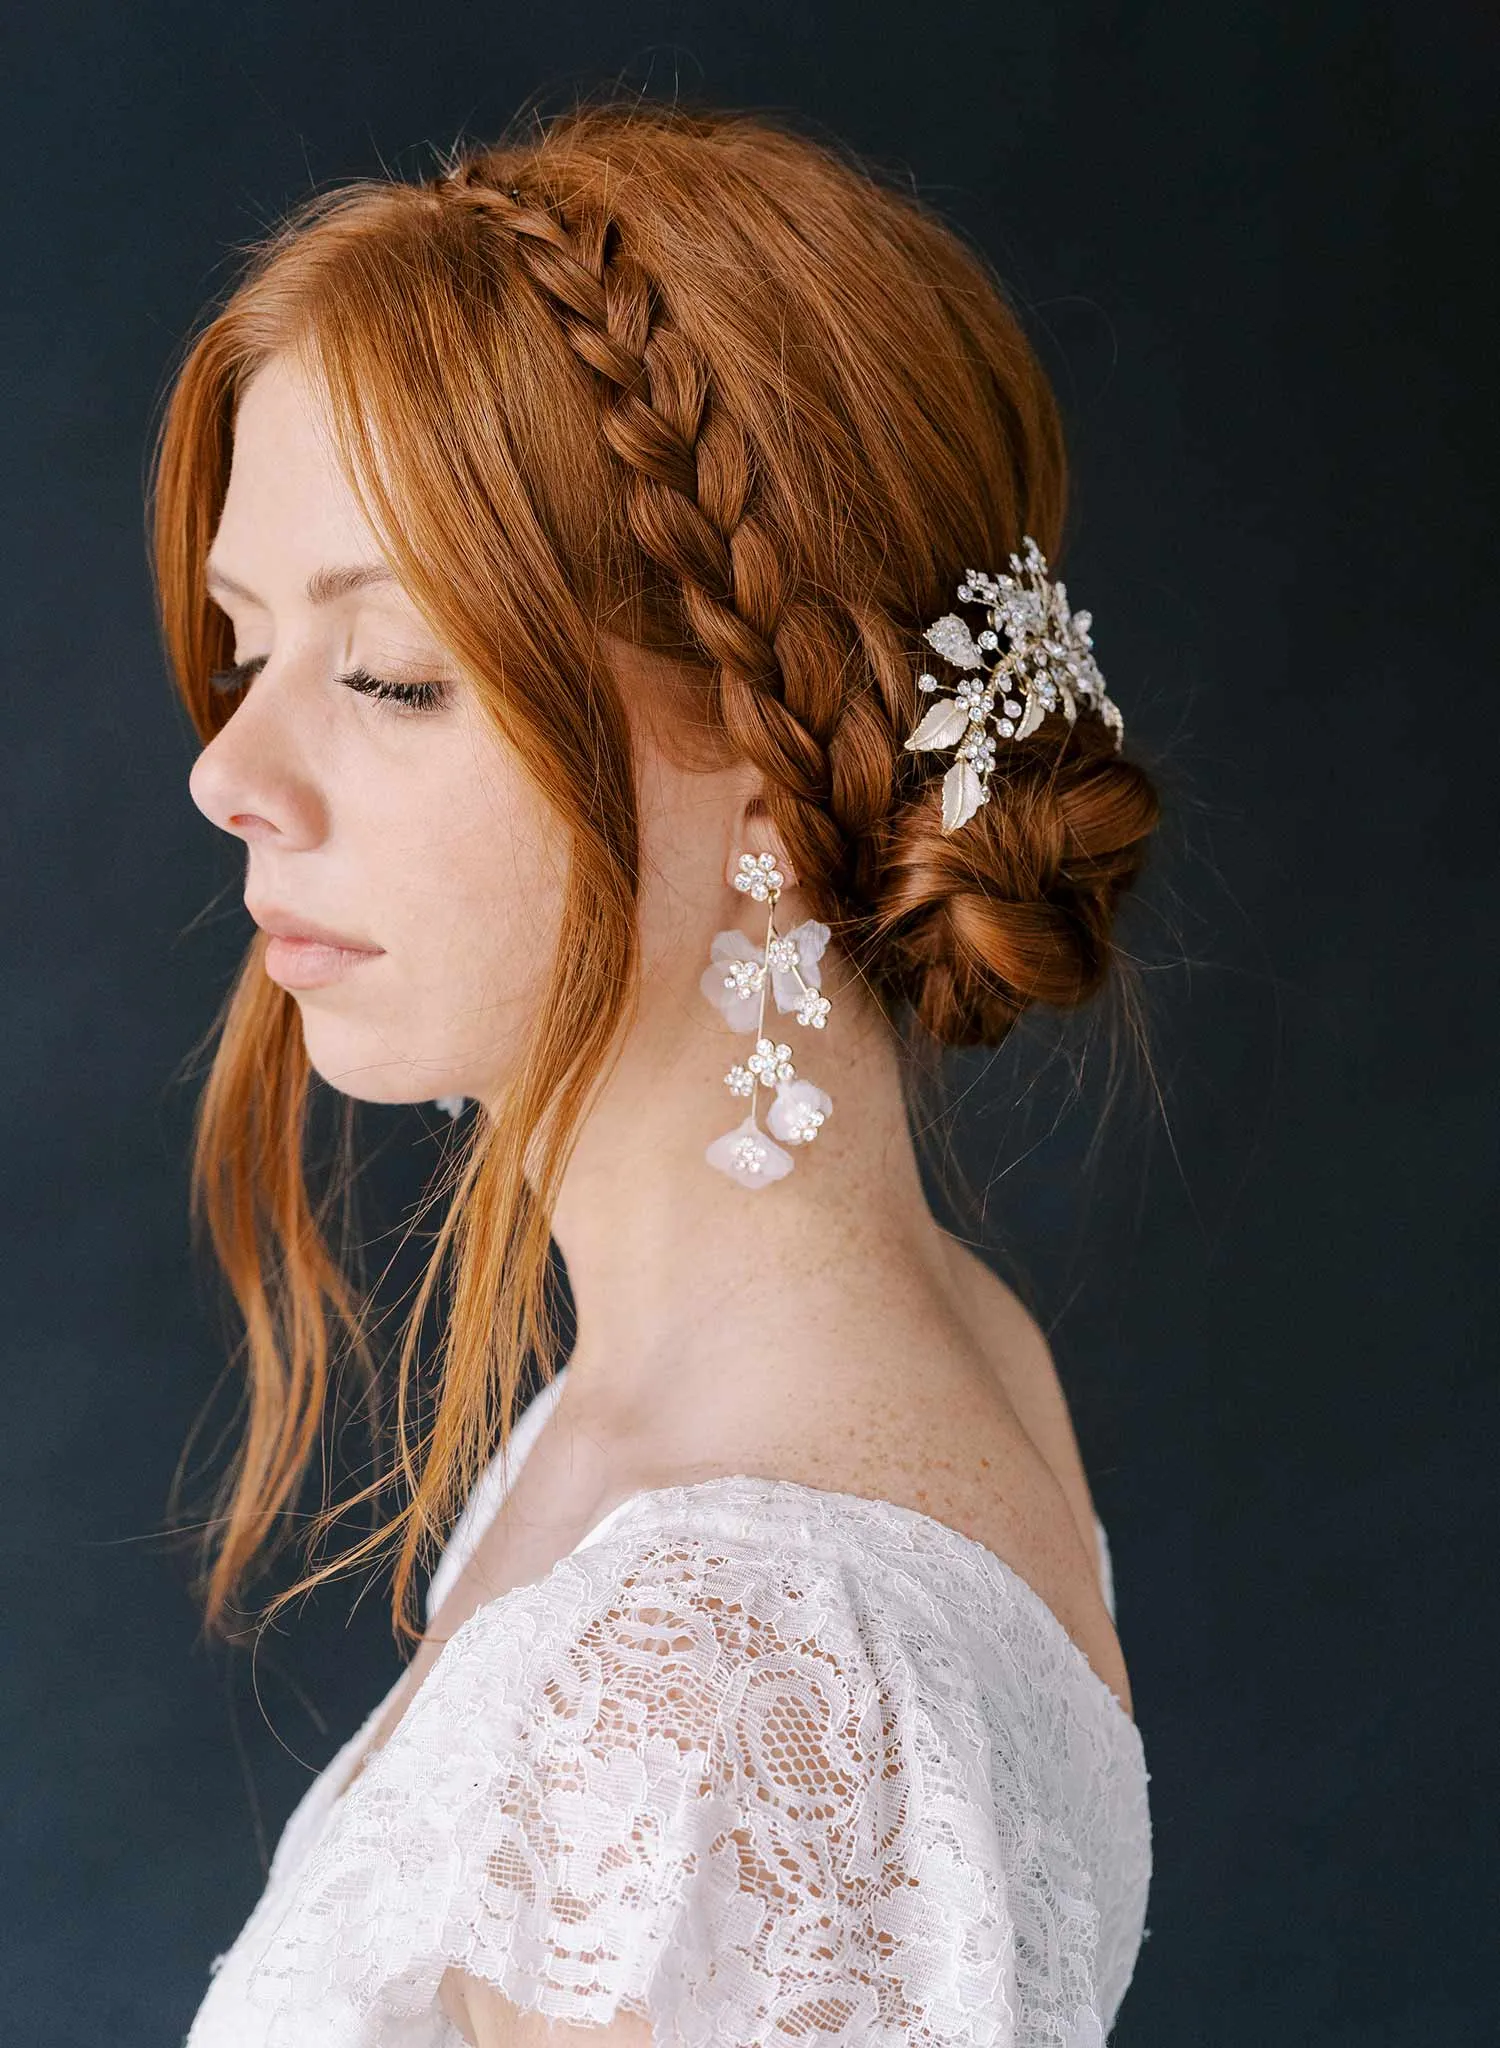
[[809, 659], [693, 500], [693, 380]]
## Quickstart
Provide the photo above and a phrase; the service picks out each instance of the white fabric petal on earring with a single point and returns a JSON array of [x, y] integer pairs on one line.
[[811, 938], [738, 1011], [454, 1104], [799, 1112], [748, 1156]]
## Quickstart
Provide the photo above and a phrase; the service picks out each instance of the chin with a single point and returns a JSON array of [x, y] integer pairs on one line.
[[361, 1067]]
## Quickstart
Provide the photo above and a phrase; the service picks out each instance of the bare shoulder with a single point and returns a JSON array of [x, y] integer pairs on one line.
[[965, 1418], [953, 1409], [1016, 1350], [988, 1446]]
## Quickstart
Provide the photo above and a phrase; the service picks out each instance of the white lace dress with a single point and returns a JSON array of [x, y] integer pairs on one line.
[[769, 1764]]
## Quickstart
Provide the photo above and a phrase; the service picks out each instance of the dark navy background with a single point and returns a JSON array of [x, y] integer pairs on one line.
[[1256, 247]]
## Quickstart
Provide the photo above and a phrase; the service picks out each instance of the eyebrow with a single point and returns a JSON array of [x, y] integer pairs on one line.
[[323, 586]]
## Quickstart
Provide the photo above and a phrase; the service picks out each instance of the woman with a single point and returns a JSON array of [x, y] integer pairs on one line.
[[605, 580]]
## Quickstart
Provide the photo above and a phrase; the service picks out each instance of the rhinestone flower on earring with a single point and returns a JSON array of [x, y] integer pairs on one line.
[[735, 983]]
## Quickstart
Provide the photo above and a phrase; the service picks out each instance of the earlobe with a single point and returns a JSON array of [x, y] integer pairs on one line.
[[757, 830], [763, 843]]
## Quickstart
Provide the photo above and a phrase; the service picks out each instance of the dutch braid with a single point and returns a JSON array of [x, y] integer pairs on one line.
[[813, 645], [692, 367], [692, 507]]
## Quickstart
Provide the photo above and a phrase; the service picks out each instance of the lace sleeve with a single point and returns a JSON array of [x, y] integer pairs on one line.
[[713, 1783]]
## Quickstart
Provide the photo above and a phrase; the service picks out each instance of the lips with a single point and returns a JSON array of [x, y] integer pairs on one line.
[[281, 924]]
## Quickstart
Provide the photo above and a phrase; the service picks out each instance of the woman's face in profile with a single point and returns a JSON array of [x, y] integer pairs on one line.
[[403, 828]]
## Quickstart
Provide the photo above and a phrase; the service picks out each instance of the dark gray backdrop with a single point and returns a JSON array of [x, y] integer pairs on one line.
[[1254, 248]]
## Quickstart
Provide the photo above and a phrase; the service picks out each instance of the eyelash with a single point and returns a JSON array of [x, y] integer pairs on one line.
[[413, 696]]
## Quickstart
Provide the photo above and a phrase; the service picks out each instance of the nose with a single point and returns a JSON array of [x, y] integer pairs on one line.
[[250, 782]]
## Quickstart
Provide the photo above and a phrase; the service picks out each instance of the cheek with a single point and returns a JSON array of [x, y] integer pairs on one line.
[[474, 885]]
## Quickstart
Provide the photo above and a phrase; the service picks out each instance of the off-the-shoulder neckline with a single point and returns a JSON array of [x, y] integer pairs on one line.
[[350, 1762], [685, 1493], [537, 1412]]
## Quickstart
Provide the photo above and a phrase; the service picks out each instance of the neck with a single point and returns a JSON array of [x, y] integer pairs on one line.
[[687, 1285]]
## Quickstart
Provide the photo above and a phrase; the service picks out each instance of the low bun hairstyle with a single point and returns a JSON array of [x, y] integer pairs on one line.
[[1016, 907], [691, 379]]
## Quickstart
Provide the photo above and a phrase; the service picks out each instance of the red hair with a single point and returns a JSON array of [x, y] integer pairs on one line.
[[694, 380]]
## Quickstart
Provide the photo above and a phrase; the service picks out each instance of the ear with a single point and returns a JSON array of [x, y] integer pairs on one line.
[[754, 832]]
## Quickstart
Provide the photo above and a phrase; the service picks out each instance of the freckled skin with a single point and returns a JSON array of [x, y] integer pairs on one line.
[[825, 1330]]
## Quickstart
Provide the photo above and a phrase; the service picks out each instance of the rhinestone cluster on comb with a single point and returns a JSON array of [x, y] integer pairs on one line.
[[1032, 656]]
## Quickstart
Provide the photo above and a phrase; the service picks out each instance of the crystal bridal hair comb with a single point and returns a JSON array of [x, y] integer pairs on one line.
[[1033, 655], [736, 982]]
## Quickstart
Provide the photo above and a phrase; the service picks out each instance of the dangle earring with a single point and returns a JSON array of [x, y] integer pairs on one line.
[[453, 1104], [736, 983]]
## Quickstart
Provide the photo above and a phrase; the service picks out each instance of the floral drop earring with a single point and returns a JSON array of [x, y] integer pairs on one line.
[[735, 983]]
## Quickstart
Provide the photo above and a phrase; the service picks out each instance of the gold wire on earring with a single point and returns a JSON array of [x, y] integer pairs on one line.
[[787, 964]]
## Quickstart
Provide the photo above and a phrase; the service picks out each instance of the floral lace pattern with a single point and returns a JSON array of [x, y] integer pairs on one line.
[[767, 1764]]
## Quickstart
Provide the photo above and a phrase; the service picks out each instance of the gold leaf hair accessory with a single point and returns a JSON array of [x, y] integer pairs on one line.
[[1033, 655]]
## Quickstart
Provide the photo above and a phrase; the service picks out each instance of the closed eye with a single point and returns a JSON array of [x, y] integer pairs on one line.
[[225, 681], [415, 696], [418, 696]]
